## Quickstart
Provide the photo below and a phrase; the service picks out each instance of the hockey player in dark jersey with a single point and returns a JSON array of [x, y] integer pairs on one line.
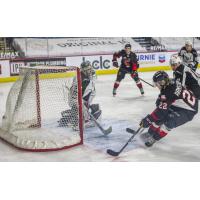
[[129, 64], [175, 106], [189, 55], [187, 77], [88, 78]]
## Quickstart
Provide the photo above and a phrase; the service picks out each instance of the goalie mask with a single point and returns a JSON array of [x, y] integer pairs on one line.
[[86, 69], [160, 79]]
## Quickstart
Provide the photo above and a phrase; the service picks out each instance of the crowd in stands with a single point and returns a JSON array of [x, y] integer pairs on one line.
[[48, 47]]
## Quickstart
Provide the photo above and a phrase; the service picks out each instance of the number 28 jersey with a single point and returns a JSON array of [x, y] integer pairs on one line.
[[174, 95]]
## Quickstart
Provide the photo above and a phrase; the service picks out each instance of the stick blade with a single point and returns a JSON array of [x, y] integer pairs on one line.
[[129, 130], [107, 131], [112, 153]]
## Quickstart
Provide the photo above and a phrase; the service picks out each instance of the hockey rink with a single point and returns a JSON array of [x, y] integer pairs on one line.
[[124, 110]]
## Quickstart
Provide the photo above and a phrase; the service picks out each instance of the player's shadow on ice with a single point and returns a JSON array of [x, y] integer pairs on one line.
[[140, 98], [132, 98]]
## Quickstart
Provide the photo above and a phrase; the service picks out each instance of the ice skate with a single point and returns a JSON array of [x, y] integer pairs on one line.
[[147, 139]]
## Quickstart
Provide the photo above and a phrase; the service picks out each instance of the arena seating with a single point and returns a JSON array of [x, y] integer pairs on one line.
[[175, 43], [67, 46]]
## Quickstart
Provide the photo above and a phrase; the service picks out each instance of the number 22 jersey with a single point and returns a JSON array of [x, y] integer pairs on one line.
[[174, 94]]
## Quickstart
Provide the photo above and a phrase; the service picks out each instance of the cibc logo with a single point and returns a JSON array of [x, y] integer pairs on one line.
[[99, 63]]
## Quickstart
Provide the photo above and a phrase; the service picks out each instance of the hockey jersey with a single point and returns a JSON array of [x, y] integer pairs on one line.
[[88, 87], [174, 94], [186, 76], [129, 62], [189, 58]]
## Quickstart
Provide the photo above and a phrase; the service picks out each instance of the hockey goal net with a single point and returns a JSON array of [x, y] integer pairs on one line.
[[34, 106]]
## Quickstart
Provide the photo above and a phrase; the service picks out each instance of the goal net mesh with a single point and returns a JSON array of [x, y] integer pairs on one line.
[[34, 106]]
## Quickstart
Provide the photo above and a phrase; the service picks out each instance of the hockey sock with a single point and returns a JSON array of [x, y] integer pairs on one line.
[[139, 85], [116, 85], [156, 132]]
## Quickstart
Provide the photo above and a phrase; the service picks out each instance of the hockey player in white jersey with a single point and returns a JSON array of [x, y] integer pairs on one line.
[[189, 55], [88, 78], [184, 74]]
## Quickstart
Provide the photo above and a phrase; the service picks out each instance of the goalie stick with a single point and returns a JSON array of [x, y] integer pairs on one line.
[[104, 131], [116, 153]]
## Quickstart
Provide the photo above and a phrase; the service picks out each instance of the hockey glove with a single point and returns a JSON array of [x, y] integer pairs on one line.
[[146, 122], [115, 64], [158, 101], [134, 74], [134, 67], [192, 67]]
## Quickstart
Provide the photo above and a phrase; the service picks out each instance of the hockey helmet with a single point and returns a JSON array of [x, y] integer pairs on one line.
[[160, 79], [188, 43], [175, 60], [127, 46]]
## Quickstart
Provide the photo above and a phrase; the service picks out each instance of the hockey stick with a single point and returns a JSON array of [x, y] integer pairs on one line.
[[130, 130], [116, 153], [104, 131], [146, 82]]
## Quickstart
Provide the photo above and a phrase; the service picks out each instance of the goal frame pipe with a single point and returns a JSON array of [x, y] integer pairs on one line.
[[37, 87], [80, 104]]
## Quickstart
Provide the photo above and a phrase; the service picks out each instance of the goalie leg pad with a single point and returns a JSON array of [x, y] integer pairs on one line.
[[95, 111]]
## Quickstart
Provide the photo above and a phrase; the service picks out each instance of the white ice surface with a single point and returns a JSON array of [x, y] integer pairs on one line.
[[125, 110]]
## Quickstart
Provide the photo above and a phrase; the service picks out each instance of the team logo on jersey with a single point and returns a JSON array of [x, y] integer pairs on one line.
[[127, 62], [161, 58]]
